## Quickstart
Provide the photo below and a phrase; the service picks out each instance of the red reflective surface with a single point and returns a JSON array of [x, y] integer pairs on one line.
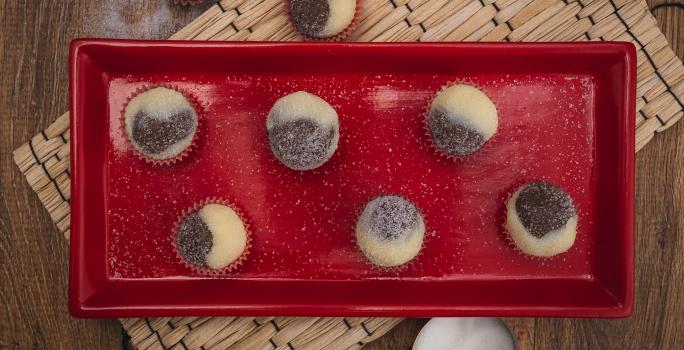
[[565, 116]]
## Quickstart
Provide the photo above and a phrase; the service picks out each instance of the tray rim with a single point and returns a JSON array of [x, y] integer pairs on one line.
[[626, 154]]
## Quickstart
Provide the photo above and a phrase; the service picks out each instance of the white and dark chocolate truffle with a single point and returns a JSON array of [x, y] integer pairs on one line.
[[322, 18], [541, 219], [303, 130], [160, 123], [212, 237], [390, 231], [461, 119]]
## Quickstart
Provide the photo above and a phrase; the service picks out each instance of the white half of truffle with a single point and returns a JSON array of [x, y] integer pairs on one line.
[[470, 106], [552, 243], [465, 333], [302, 104], [229, 236], [159, 103], [388, 252], [340, 17]]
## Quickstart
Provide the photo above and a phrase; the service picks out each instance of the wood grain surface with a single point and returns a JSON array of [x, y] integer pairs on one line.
[[34, 39]]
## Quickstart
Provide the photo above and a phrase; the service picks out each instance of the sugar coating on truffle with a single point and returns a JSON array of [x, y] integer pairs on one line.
[[322, 18], [160, 123], [194, 239], [303, 130], [541, 219], [214, 236], [390, 231], [461, 119]]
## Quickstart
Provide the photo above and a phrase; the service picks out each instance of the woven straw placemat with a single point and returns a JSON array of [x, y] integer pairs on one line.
[[44, 159]]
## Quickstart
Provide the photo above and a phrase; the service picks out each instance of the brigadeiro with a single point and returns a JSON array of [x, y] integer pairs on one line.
[[212, 237], [161, 123], [390, 231], [541, 219], [303, 130], [460, 120], [330, 20]]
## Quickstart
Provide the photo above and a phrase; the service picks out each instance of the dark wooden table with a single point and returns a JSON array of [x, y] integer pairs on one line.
[[35, 38]]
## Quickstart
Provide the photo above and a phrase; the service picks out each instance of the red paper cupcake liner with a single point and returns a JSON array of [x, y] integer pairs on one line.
[[188, 2], [426, 125], [390, 269], [168, 161], [338, 37], [503, 216], [204, 270]]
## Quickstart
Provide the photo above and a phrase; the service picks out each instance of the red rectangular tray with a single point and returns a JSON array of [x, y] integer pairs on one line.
[[566, 115]]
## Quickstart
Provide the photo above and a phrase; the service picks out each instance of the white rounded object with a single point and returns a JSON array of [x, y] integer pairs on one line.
[[546, 242], [465, 333], [390, 231], [303, 130], [461, 119], [469, 105], [213, 237], [160, 123]]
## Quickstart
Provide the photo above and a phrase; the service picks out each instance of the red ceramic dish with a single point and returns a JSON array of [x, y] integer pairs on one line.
[[566, 115]]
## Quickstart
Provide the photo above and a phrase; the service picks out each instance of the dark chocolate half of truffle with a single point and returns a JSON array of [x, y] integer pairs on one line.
[[301, 143], [194, 239], [451, 136], [543, 207], [310, 16], [393, 217], [155, 135]]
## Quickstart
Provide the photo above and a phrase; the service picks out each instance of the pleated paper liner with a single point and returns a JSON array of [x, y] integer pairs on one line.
[[188, 2], [44, 159]]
